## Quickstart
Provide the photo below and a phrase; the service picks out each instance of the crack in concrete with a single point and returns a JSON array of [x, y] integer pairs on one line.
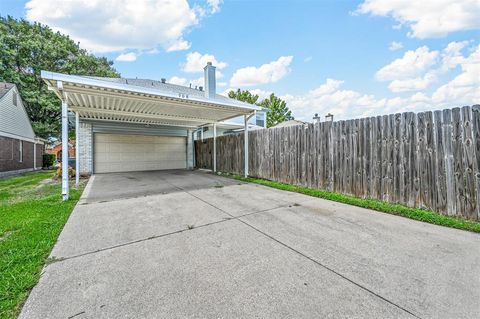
[[232, 217], [53, 260], [318, 263]]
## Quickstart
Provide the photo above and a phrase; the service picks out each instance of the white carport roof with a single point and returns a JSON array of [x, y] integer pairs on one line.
[[97, 99]]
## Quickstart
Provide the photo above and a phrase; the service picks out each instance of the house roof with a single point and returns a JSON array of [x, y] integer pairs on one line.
[[14, 120], [5, 87], [166, 87], [290, 123], [142, 101]]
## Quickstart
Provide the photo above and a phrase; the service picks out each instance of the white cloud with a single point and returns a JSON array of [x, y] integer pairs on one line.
[[346, 104], [308, 59], [262, 94], [266, 73], [413, 84], [126, 57], [180, 45], [214, 5], [195, 62], [412, 64], [418, 69], [394, 45], [178, 81], [465, 87], [116, 25], [194, 82], [427, 18], [452, 55]]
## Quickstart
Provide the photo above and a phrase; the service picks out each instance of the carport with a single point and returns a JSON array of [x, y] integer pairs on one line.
[[119, 120]]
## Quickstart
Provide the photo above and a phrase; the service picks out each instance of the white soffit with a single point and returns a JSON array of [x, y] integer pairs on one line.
[[109, 101]]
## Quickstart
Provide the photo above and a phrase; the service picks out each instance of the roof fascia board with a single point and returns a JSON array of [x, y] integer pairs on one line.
[[137, 89]]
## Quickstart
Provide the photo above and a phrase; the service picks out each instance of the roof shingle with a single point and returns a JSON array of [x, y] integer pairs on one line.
[[5, 87]]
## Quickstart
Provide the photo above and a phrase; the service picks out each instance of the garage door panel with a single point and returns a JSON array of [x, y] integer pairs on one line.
[[122, 152]]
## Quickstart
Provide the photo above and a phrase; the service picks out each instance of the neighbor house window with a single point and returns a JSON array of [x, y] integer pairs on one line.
[[260, 119], [14, 98], [20, 152]]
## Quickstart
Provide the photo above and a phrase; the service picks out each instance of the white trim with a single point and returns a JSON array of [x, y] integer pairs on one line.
[[77, 149], [35, 155], [17, 137], [52, 76], [214, 164], [245, 152], [65, 190], [20, 149]]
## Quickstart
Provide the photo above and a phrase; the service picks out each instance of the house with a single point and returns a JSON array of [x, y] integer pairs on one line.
[[235, 125], [20, 149], [290, 123], [56, 149], [139, 125]]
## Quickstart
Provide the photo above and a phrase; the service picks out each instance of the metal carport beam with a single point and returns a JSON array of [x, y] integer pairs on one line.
[[246, 117], [65, 190], [214, 164], [77, 150]]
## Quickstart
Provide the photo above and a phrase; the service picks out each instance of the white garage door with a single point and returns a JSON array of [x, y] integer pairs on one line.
[[124, 153]]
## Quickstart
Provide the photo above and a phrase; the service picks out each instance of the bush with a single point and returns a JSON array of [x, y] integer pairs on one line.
[[71, 172], [48, 160]]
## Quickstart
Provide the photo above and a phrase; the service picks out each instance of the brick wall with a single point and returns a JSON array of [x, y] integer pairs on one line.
[[10, 155]]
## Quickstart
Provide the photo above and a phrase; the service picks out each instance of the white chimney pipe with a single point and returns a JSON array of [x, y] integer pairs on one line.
[[210, 82]]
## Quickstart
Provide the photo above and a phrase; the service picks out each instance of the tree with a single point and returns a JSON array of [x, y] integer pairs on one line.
[[25, 50], [244, 96], [277, 110]]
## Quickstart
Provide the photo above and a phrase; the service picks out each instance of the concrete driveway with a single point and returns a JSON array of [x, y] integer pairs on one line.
[[181, 244]]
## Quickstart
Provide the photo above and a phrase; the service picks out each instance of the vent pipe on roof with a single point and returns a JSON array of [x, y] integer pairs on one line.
[[210, 83]]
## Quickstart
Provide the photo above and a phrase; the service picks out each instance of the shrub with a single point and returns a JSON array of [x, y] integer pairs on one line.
[[48, 160], [71, 172]]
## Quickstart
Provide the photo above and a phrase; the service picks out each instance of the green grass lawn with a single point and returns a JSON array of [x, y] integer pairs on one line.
[[32, 215], [385, 207]]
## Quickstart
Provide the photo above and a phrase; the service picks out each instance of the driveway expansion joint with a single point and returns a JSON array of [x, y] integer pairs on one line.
[[308, 257], [54, 259]]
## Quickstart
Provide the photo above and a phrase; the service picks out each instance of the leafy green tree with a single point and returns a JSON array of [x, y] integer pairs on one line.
[[244, 96], [26, 49], [278, 110]]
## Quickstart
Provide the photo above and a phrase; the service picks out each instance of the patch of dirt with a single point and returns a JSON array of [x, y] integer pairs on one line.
[[48, 181], [6, 235]]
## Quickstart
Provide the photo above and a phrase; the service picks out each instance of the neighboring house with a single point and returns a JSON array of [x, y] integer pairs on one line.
[[20, 149], [290, 123], [235, 125], [56, 149]]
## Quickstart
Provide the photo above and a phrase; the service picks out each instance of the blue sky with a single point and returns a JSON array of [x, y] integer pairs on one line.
[[350, 58]]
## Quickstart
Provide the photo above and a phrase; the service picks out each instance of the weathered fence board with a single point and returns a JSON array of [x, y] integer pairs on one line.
[[429, 160]]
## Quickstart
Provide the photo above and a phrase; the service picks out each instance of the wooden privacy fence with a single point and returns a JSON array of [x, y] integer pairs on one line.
[[428, 159]]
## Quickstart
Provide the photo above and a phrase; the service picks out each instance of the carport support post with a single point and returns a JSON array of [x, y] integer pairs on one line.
[[246, 119], [77, 150], [245, 153], [64, 150], [214, 148]]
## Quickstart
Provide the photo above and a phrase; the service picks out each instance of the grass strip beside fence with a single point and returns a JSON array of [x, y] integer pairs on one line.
[[419, 214]]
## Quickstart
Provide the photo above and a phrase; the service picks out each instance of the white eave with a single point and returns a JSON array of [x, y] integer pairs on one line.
[[96, 99]]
